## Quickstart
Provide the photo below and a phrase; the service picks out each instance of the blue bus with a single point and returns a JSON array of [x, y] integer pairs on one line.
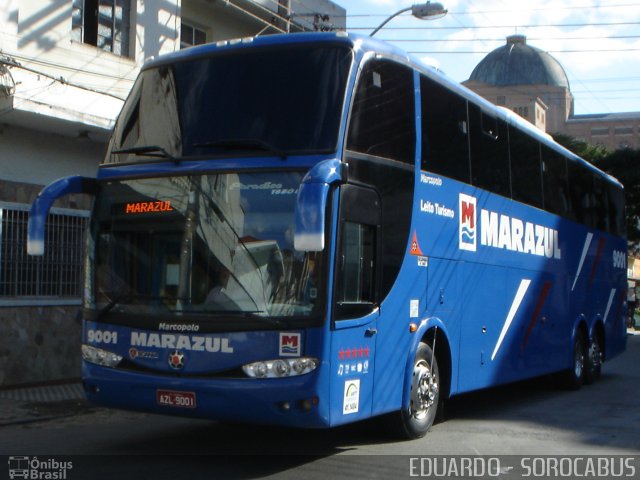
[[314, 229]]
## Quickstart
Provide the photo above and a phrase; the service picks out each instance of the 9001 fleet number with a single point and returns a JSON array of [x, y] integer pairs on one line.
[[619, 259], [173, 398]]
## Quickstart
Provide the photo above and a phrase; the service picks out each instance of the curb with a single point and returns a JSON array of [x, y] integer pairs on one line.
[[41, 403]]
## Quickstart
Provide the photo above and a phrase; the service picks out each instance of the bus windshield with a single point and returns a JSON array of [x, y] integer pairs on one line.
[[203, 245], [270, 102]]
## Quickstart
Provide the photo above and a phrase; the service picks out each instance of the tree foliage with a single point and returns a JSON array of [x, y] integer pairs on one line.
[[591, 153]]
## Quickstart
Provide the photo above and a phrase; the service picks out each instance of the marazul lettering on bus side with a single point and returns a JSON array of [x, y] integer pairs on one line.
[[510, 233], [181, 342]]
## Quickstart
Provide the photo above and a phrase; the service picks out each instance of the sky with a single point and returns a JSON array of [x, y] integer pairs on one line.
[[597, 42]]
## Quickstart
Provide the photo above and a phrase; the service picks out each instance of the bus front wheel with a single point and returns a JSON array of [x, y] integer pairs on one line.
[[415, 420]]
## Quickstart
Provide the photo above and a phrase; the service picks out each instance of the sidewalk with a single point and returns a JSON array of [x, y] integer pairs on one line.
[[40, 402]]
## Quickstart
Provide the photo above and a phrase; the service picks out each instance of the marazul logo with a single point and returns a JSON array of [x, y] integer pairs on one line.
[[467, 227], [504, 232], [290, 344]]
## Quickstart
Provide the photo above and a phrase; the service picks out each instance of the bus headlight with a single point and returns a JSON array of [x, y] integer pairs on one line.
[[100, 357], [289, 367]]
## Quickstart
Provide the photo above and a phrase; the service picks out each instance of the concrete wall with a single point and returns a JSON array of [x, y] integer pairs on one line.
[[28, 156], [39, 344]]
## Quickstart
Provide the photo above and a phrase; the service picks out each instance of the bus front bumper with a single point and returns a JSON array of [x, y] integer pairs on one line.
[[292, 401]]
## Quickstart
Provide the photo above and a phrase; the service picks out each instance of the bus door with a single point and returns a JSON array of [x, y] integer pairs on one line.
[[355, 304]]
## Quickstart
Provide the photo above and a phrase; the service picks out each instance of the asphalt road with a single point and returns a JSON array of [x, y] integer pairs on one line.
[[531, 418]]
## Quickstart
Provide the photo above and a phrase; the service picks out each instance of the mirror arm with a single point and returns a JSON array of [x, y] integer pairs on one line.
[[43, 202]]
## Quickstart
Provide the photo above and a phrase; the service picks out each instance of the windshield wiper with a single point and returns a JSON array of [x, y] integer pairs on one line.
[[243, 143], [112, 302], [148, 150]]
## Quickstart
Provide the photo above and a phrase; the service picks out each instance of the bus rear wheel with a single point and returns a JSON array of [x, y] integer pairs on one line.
[[575, 376], [594, 360], [416, 420]]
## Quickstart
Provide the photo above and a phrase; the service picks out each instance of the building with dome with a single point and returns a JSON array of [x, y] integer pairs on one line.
[[533, 84]]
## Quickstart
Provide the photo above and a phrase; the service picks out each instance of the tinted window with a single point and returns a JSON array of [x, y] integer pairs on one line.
[[445, 144], [394, 183], [526, 171], [356, 274], [489, 152], [582, 194], [555, 183], [383, 115], [616, 210], [284, 100]]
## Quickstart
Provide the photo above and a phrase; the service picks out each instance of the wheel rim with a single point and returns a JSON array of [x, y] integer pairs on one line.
[[595, 354], [424, 390]]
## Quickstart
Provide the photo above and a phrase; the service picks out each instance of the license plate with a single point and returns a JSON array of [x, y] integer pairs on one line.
[[173, 398]]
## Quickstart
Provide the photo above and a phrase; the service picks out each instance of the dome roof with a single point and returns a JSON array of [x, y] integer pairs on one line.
[[517, 63]]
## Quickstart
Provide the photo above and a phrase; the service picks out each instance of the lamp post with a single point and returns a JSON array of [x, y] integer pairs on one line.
[[421, 11]]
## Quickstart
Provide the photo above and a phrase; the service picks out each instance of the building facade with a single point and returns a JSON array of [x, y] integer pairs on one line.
[[533, 84], [66, 67]]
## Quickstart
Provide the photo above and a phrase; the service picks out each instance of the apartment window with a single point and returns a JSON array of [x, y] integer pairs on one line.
[[623, 130], [522, 111], [600, 131], [191, 35], [102, 23], [56, 277]]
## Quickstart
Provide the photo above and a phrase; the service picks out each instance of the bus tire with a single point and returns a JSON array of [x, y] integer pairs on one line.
[[424, 397], [594, 360], [575, 376]]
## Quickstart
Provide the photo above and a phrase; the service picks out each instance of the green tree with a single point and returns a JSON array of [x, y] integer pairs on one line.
[[591, 153]]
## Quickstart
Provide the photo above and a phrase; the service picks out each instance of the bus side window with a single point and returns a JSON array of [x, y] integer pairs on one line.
[[356, 278], [357, 272], [383, 115], [445, 144], [555, 183], [617, 220], [581, 191], [490, 167], [526, 171]]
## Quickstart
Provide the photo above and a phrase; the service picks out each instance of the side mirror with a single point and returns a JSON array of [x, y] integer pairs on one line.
[[42, 204], [311, 205]]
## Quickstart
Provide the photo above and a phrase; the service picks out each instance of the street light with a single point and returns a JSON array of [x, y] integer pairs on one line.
[[421, 11]]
